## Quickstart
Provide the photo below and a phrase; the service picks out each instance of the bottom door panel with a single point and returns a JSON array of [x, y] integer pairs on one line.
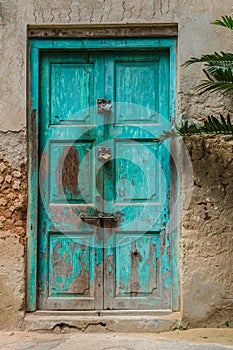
[[137, 271], [74, 273]]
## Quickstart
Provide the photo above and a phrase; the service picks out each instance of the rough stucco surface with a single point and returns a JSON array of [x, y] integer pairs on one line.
[[207, 239], [12, 228], [12, 295], [206, 242]]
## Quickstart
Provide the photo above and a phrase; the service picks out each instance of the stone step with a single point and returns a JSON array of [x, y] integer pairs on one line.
[[64, 322]]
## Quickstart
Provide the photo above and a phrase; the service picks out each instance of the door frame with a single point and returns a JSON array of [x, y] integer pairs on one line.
[[99, 37]]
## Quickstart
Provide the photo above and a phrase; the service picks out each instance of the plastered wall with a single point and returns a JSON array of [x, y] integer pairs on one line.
[[206, 261]]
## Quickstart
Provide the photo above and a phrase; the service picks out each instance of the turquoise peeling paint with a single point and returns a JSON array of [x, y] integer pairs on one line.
[[74, 259], [145, 272], [139, 254], [99, 258], [145, 43]]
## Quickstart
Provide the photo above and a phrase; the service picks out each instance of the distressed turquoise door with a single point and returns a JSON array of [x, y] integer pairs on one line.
[[84, 261], [70, 259], [137, 258]]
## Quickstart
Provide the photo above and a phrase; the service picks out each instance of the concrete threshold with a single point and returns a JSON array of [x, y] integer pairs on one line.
[[101, 321]]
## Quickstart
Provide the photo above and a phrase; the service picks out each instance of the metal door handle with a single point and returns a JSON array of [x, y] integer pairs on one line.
[[101, 216]]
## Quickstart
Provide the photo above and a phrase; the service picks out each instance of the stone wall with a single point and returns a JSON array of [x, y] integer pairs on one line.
[[206, 236], [13, 210], [207, 239]]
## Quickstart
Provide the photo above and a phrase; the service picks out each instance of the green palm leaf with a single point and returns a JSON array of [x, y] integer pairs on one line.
[[219, 80], [227, 22], [222, 58], [221, 75], [207, 85], [218, 67], [211, 68], [224, 124], [212, 125], [229, 124]]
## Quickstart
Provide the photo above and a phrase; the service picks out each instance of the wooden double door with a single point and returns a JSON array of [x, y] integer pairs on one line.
[[104, 183]]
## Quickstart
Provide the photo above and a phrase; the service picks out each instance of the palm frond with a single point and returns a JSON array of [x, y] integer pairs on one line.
[[212, 125], [227, 22], [207, 85], [211, 67], [218, 67], [219, 80], [221, 75], [222, 58], [229, 124]]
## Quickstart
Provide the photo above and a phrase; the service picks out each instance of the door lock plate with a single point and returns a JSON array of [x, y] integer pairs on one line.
[[104, 154], [103, 106]]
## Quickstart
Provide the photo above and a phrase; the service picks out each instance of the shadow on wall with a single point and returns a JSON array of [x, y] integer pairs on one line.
[[207, 238]]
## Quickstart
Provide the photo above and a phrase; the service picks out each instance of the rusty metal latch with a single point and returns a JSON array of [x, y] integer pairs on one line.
[[103, 106], [104, 154], [101, 216]]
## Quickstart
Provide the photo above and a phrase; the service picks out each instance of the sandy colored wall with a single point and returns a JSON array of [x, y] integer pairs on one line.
[[207, 239], [206, 236]]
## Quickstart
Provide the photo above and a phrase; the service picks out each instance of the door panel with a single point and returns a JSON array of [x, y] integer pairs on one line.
[[136, 83], [68, 186], [70, 260], [95, 264], [138, 249], [72, 92], [71, 265], [137, 272]]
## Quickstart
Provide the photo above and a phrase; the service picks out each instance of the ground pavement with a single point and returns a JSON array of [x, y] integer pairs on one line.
[[197, 339]]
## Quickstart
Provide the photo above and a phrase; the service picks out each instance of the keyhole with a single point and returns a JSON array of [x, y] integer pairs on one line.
[[134, 254]]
